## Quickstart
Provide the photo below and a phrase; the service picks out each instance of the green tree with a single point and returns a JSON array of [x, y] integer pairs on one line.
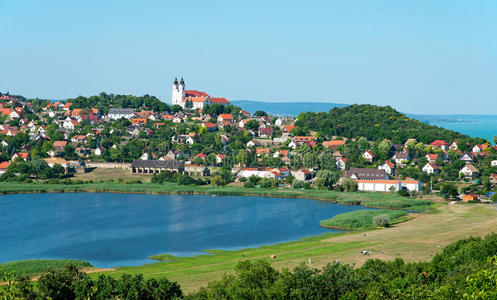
[[326, 178], [449, 191], [349, 185]]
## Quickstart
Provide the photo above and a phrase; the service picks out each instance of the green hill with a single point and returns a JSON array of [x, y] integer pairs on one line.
[[374, 123]]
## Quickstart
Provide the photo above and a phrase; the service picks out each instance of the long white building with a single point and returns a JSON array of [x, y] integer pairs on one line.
[[388, 185]]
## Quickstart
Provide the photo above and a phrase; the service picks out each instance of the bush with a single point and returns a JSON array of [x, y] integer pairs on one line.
[[249, 185], [297, 184], [382, 220]]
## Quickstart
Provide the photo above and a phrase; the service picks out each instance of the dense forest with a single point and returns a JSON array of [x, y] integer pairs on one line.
[[464, 269], [373, 122], [104, 101]]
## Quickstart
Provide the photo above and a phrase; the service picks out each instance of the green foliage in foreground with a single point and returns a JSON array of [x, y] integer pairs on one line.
[[397, 203], [464, 269], [361, 219], [70, 283], [38, 266]]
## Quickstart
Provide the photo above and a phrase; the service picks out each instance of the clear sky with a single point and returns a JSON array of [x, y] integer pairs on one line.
[[419, 56]]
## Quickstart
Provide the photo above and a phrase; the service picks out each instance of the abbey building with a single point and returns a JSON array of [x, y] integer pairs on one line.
[[192, 99]]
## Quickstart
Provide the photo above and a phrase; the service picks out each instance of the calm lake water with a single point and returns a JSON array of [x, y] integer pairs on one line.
[[124, 229]]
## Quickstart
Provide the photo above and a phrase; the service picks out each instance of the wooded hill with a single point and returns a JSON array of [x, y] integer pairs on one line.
[[375, 123]]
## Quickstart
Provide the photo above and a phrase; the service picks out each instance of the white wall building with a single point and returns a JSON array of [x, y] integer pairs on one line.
[[178, 92], [118, 113], [387, 185]]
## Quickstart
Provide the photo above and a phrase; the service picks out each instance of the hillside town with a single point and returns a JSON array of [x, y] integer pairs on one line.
[[200, 139]]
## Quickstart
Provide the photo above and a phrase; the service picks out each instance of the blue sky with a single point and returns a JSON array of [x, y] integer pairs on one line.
[[417, 56]]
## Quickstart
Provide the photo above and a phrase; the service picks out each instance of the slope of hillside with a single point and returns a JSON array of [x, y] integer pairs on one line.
[[374, 123]]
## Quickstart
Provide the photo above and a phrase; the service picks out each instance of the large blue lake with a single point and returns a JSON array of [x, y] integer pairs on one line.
[[124, 229]]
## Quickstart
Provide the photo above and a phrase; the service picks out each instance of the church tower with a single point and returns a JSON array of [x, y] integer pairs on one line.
[[178, 92]]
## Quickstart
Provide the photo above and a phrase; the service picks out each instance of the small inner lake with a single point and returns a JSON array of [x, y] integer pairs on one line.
[[110, 230]]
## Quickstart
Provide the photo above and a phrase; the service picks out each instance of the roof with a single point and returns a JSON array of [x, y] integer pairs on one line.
[[369, 152], [432, 156], [195, 93], [165, 164], [366, 173], [55, 160], [266, 131], [23, 154], [471, 168], [333, 143], [304, 138], [219, 101], [121, 111], [59, 143], [439, 143], [434, 166], [389, 163], [226, 116], [209, 125], [195, 99], [389, 181], [262, 150], [401, 155], [77, 111], [4, 165], [288, 128], [6, 111]]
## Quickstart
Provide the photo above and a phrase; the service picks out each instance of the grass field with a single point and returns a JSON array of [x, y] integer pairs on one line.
[[415, 240], [112, 174], [362, 219]]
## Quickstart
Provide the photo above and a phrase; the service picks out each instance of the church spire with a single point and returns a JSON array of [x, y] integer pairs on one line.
[[182, 81], [175, 80]]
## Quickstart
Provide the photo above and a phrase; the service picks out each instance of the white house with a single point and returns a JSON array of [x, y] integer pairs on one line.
[[477, 148], [388, 167], [431, 168], [341, 163], [118, 113], [278, 122], [99, 151], [368, 156], [493, 163], [69, 124], [220, 158], [302, 175], [469, 171], [401, 158], [249, 172]]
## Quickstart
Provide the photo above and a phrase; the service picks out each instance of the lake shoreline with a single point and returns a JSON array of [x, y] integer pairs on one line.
[[215, 192]]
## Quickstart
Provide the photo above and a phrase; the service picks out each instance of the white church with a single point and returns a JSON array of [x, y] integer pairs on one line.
[[192, 99]]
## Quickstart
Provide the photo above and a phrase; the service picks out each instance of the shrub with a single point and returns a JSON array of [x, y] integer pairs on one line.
[[297, 184], [249, 185], [382, 220]]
